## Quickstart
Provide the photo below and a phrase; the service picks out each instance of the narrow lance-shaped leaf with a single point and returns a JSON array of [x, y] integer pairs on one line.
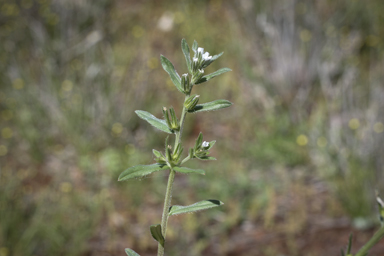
[[157, 153], [188, 170], [209, 106], [156, 234], [212, 60], [141, 170], [211, 144], [206, 158], [170, 69], [194, 46], [199, 140], [185, 48], [131, 252], [154, 121], [214, 74], [202, 205]]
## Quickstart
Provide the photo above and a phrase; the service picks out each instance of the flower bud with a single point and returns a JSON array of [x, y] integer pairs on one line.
[[197, 76], [191, 153], [185, 82], [166, 117], [195, 65], [200, 52], [174, 122], [177, 154], [191, 102], [168, 153]]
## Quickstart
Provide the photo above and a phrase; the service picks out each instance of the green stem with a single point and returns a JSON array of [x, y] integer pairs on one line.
[[185, 160], [171, 178], [374, 240], [182, 120], [167, 204]]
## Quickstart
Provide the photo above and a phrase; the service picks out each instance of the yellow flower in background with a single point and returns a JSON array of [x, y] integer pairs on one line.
[[3, 150], [378, 127], [354, 123], [302, 140]]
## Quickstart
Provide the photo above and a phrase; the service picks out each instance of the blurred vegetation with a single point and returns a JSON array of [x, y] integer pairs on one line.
[[308, 111]]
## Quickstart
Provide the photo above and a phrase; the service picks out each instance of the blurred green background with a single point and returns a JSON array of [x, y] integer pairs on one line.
[[300, 153]]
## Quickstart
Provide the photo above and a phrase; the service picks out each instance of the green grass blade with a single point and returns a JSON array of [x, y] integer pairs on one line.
[[188, 170], [202, 205], [154, 121], [212, 75], [141, 170], [170, 69], [131, 252], [156, 233], [349, 244], [210, 106]]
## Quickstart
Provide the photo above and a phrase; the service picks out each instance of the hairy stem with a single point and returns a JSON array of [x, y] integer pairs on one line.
[[374, 240], [185, 160], [182, 120], [167, 204], [171, 178]]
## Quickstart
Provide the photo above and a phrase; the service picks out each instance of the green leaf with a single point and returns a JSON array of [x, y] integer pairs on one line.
[[185, 48], [194, 46], [211, 144], [202, 205], [214, 74], [209, 106], [212, 60], [141, 170], [170, 69], [206, 158], [131, 252], [156, 233], [199, 140], [188, 170], [216, 57], [154, 121], [157, 153]]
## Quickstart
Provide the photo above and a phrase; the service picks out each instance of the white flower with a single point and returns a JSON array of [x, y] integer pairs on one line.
[[195, 59], [200, 50], [205, 144], [206, 56], [201, 71]]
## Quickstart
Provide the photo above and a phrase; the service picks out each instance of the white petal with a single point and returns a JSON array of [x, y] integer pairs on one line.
[[200, 49], [205, 144]]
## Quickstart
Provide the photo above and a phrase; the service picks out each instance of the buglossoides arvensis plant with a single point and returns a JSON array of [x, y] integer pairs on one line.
[[172, 157]]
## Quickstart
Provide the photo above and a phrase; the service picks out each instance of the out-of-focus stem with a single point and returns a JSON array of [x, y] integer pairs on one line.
[[374, 240]]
